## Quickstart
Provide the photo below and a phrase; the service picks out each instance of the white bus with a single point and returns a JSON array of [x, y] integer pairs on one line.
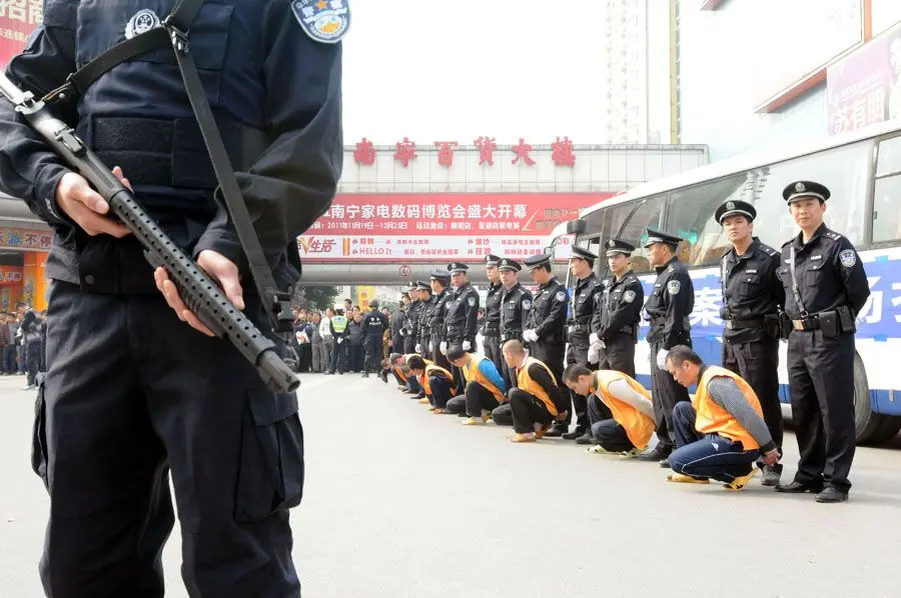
[[863, 172]]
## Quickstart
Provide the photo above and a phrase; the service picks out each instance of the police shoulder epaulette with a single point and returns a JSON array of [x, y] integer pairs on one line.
[[833, 235]]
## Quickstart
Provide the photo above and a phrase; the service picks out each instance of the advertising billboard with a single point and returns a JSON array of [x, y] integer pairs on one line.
[[439, 227], [18, 18], [865, 87]]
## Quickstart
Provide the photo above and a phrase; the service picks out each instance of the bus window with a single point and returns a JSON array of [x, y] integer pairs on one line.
[[629, 223], [886, 215]]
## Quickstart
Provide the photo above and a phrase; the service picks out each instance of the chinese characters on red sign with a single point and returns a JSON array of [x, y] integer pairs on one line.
[[25, 239], [563, 152], [18, 18]]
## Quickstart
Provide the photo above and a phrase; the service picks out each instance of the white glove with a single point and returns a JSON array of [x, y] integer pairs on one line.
[[593, 338], [443, 347], [431, 346], [418, 348], [467, 345], [661, 359], [340, 340], [593, 354], [529, 336]]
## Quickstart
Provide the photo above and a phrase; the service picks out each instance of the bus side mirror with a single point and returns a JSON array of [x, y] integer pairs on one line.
[[575, 227]]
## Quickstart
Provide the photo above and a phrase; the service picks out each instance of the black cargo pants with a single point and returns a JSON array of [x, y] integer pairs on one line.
[[131, 394]]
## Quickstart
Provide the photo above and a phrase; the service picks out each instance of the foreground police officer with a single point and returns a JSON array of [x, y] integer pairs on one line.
[[491, 331], [668, 308], [461, 318], [752, 298], [617, 312], [547, 322], [516, 307], [825, 288], [130, 385], [579, 327]]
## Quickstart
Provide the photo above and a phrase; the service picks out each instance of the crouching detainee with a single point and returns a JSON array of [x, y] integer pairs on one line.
[[537, 401], [633, 421], [721, 433], [485, 388], [435, 381]]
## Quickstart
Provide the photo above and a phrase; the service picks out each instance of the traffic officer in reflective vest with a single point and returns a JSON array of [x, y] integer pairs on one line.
[[134, 394], [546, 332], [588, 287], [516, 309], [411, 320], [825, 288], [617, 312], [461, 319], [753, 295], [437, 313], [668, 309], [491, 331]]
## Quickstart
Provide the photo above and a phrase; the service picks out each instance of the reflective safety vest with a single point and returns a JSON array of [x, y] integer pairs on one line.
[[524, 382], [713, 419], [339, 323], [639, 427], [471, 372], [433, 370]]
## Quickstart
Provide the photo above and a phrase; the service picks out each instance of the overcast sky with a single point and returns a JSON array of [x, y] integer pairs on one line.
[[436, 70]]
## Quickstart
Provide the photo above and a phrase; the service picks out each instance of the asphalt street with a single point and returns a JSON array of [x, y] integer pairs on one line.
[[403, 503]]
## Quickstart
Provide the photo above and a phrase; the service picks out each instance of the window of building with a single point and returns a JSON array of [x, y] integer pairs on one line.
[[886, 215], [842, 170]]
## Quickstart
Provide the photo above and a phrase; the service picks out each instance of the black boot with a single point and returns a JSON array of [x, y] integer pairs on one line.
[[557, 429], [658, 454]]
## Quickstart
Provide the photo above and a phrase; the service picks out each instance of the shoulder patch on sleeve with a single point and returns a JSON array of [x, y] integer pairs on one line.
[[848, 258], [324, 21], [674, 286], [560, 296]]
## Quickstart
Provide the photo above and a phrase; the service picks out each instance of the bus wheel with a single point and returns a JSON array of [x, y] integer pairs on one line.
[[870, 427]]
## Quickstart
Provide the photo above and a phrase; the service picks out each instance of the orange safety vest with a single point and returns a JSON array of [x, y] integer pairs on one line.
[[524, 382], [639, 427], [432, 370], [471, 372], [713, 419]]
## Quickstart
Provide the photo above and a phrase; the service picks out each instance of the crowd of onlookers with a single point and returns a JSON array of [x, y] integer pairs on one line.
[[22, 336]]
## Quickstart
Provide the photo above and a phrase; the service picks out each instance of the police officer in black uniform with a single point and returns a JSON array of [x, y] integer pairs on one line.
[[617, 312], [491, 335], [375, 323], [825, 288], [130, 381], [423, 316], [753, 297], [588, 287], [411, 319], [546, 333], [398, 318], [516, 307], [461, 319], [437, 315], [668, 309]]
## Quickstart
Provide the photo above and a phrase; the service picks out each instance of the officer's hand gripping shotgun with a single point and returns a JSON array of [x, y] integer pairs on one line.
[[197, 290]]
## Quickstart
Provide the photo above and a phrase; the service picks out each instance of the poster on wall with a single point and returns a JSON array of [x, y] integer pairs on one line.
[[440, 227], [865, 87]]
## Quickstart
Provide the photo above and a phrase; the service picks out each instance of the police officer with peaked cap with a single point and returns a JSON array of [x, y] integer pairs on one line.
[[461, 319], [617, 312], [411, 318], [668, 309], [129, 383], [421, 326], [547, 323], [440, 280], [375, 323], [753, 297], [825, 289], [516, 307], [397, 323], [491, 331], [587, 288]]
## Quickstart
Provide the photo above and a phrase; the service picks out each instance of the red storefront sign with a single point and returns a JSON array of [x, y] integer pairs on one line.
[[439, 227], [18, 18]]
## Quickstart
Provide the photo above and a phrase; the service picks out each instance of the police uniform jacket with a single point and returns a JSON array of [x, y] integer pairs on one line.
[[462, 316], [276, 95], [751, 291], [515, 312], [437, 314], [582, 309], [670, 305], [618, 308], [548, 316], [374, 324], [423, 321], [829, 274], [493, 310], [411, 319]]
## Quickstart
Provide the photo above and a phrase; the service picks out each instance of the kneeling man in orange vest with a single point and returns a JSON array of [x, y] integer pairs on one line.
[[537, 401], [721, 433], [436, 382]]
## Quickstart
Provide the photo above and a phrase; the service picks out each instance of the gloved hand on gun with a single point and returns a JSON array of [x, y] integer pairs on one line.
[[89, 210]]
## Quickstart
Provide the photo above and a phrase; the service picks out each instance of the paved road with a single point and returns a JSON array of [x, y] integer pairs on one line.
[[403, 503]]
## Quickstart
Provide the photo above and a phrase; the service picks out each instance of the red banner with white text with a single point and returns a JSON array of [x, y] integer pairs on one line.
[[439, 227], [18, 18]]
